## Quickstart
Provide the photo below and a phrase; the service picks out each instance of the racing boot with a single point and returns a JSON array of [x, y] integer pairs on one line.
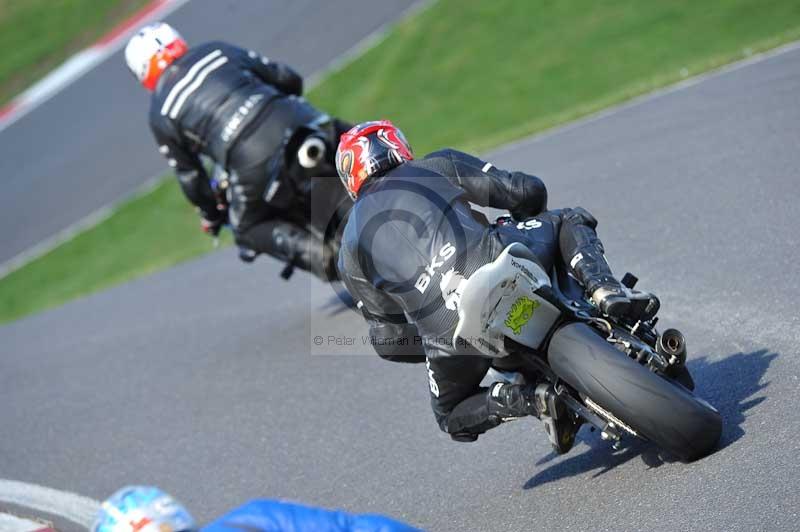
[[559, 423], [590, 268], [511, 401], [614, 301], [305, 251], [501, 402]]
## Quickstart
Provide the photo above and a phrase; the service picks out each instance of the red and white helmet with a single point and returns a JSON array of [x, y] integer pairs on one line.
[[370, 149], [152, 50]]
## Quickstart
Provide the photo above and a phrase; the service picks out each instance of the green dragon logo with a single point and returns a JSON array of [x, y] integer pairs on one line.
[[520, 313]]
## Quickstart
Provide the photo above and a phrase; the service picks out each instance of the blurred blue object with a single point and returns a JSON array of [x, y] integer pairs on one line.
[[269, 516], [148, 509]]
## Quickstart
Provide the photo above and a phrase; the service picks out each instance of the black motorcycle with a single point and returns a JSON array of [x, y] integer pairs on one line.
[[623, 378], [305, 165]]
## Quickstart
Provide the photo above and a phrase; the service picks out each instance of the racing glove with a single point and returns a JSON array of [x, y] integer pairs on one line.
[[212, 225]]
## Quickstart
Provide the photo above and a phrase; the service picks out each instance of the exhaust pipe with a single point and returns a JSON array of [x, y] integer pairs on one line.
[[670, 344], [311, 152]]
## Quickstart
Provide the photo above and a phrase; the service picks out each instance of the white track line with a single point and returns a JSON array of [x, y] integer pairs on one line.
[[13, 523], [81, 63], [76, 508]]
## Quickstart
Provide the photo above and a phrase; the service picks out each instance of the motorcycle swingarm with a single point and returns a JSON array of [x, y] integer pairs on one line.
[[607, 430], [610, 430]]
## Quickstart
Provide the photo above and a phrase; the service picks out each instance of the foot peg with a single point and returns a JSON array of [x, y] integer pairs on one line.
[[629, 280]]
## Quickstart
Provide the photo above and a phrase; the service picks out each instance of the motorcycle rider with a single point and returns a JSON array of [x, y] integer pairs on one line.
[[246, 113], [412, 226], [148, 509]]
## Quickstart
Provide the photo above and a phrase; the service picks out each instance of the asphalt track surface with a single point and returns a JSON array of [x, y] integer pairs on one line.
[[205, 380], [90, 145]]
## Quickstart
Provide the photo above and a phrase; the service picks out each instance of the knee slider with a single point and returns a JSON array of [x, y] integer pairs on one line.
[[464, 437]]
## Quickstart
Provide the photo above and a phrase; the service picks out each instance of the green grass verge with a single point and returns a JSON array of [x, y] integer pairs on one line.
[[474, 74], [37, 35], [465, 73]]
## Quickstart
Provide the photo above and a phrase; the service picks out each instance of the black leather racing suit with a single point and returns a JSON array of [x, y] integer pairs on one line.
[[411, 227], [245, 112]]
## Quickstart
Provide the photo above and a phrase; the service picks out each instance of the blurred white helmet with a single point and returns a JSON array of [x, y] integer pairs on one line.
[[142, 509], [152, 50]]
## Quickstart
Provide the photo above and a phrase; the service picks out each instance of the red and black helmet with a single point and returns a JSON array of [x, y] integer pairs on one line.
[[370, 149]]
